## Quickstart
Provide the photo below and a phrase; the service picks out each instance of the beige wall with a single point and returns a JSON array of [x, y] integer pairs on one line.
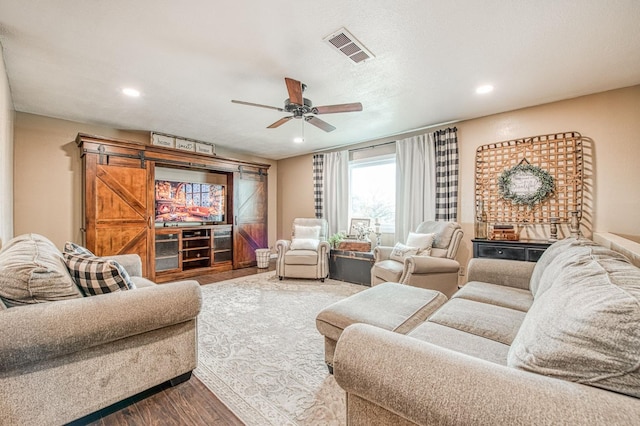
[[48, 176], [295, 192], [6, 156], [608, 121]]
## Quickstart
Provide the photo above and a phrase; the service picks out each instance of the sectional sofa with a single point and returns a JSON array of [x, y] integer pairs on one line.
[[556, 342]]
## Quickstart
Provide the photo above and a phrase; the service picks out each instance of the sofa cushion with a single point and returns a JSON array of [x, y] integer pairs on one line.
[[392, 306], [71, 247], [423, 242], [304, 244], [388, 270], [482, 319], [547, 258], [300, 231], [301, 257], [460, 341], [97, 276], [32, 270], [584, 328], [500, 295], [401, 252]]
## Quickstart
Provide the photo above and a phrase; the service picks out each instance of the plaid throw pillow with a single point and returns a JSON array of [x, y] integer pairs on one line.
[[97, 276], [70, 247]]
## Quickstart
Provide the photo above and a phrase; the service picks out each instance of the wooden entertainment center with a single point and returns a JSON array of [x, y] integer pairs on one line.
[[119, 209]]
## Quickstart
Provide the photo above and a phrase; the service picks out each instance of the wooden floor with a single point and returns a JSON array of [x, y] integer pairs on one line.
[[189, 403]]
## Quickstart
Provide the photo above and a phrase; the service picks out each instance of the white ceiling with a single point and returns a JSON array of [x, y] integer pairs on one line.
[[70, 59]]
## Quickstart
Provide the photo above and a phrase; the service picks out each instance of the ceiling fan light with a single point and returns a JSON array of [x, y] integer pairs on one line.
[[298, 140], [486, 88], [131, 92]]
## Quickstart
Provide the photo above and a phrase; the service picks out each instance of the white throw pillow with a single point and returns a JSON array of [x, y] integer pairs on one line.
[[400, 252], [304, 244], [423, 242], [309, 232]]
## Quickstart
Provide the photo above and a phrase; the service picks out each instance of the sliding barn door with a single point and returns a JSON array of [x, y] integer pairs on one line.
[[250, 217], [117, 214]]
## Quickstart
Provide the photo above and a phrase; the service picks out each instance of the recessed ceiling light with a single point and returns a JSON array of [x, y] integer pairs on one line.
[[484, 89], [298, 140], [131, 92]]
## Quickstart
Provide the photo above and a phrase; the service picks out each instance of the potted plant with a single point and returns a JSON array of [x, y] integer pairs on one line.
[[335, 239]]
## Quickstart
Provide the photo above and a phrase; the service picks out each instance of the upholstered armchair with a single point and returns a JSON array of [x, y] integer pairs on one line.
[[427, 260], [306, 255]]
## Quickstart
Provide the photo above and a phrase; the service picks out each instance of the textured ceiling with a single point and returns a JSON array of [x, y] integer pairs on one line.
[[70, 59]]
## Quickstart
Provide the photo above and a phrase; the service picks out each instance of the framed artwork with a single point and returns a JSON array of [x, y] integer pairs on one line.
[[356, 223]]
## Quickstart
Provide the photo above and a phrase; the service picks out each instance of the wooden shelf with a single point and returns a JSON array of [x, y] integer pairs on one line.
[[199, 249]]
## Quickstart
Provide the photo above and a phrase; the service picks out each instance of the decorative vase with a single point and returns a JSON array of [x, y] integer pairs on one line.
[[574, 225], [481, 222]]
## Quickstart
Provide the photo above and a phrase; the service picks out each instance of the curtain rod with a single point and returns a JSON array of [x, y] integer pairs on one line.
[[362, 148], [335, 148]]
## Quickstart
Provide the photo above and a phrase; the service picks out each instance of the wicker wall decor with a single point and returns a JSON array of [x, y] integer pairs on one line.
[[558, 154]]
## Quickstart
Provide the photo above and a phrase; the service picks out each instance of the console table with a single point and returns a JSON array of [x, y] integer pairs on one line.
[[351, 266], [528, 250]]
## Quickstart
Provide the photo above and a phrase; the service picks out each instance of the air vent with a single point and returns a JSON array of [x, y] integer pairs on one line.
[[345, 43]]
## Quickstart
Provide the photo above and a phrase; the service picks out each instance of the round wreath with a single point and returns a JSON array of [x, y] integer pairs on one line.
[[545, 189]]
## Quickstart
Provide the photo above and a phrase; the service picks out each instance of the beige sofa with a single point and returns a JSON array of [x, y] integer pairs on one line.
[[557, 342], [64, 359]]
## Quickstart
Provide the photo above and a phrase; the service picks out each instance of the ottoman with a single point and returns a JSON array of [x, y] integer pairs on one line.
[[392, 306]]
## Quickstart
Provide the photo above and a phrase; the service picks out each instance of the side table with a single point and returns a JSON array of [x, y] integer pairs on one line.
[[529, 250], [351, 266]]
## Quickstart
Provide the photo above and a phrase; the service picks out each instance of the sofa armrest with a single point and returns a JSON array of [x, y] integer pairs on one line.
[[130, 262], [282, 246], [381, 253], [430, 265], [510, 273], [32, 333], [324, 248], [428, 384]]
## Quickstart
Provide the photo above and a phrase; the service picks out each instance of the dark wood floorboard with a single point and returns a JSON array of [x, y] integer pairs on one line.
[[189, 403]]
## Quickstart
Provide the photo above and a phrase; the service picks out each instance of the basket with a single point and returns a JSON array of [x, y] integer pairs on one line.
[[262, 257]]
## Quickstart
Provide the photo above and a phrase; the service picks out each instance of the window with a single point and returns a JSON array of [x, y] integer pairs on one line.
[[372, 190]]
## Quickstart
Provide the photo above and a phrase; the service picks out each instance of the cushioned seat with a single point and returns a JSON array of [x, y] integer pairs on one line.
[[507, 297], [306, 255], [427, 260], [391, 306], [461, 341], [481, 319], [301, 257]]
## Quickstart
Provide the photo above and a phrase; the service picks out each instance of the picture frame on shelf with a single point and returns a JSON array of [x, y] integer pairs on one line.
[[355, 223]]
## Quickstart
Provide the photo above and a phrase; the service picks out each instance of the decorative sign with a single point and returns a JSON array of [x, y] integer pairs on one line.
[[185, 145], [204, 148], [525, 184], [162, 140]]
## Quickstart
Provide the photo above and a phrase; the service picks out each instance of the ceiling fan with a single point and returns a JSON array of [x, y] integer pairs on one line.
[[303, 108]]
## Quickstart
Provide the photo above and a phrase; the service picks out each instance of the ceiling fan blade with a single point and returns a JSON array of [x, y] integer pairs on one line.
[[331, 109], [280, 122], [256, 105], [294, 87], [320, 124]]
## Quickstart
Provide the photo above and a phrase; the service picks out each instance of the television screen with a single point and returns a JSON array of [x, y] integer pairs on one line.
[[189, 202]]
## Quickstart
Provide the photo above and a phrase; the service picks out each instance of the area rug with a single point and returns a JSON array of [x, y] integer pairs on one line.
[[260, 353]]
